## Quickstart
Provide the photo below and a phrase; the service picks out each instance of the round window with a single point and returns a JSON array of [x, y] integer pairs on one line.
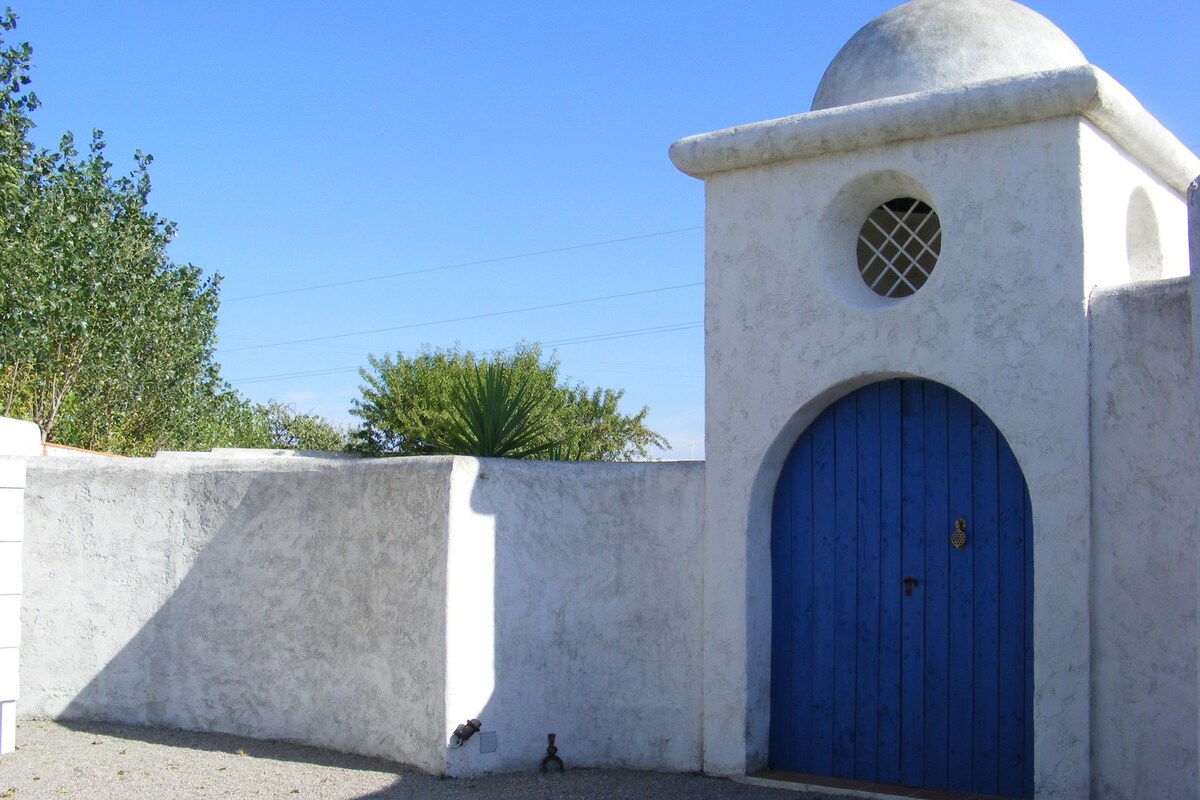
[[898, 247]]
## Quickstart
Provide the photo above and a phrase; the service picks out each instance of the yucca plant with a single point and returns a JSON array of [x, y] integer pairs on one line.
[[497, 414]]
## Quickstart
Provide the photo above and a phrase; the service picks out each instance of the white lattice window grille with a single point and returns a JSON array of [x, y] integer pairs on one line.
[[898, 247]]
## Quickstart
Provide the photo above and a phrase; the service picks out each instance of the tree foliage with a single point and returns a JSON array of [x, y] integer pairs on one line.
[[450, 401], [101, 332], [287, 428], [104, 339], [105, 343], [16, 103]]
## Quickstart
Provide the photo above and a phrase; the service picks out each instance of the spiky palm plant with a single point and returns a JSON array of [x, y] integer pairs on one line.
[[498, 414]]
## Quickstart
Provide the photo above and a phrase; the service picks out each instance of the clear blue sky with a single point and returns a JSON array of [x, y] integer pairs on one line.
[[299, 144]]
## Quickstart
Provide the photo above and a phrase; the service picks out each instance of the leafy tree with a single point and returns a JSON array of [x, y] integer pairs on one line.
[[295, 431], [449, 401], [98, 326], [15, 106], [104, 342]]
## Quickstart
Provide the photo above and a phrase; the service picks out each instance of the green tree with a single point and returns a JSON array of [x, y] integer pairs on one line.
[[104, 342], [100, 330], [450, 401], [15, 106], [292, 430]]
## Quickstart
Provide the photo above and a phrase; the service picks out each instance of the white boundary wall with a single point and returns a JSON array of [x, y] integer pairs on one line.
[[1145, 518], [16, 439], [373, 605]]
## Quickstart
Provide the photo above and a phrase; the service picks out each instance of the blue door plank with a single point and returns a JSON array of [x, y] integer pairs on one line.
[[800, 703], [866, 751], [824, 596], [789, 620], [987, 604], [783, 528], [1011, 734], [912, 544], [938, 526], [891, 588], [845, 651], [960, 610]]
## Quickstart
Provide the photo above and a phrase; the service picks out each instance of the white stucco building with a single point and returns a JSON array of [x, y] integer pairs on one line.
[[1033, 217], [945, 537]]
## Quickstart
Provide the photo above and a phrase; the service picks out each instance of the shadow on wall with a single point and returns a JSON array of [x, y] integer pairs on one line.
[[288, 601], [593, 603], [372, 606]]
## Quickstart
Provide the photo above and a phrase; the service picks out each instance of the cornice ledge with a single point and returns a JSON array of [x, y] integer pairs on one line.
[[1084, 91]]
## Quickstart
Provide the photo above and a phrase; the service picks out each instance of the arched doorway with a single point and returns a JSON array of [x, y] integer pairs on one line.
[[902, 652]]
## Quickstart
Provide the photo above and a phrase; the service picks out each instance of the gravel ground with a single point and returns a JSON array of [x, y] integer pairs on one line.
[[100, 761]]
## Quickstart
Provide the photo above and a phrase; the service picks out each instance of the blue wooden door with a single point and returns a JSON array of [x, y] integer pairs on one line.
[[898, 657]]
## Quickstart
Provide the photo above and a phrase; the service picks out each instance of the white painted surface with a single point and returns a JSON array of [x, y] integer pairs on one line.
[[10, 567], [18, 440], [470, 619], [1075, 91], [225, 453], [9, 683], [1036, 179], [596, 612], [927, 45], [1001, 320], [8, 726], [1145, 459], [1135, 226], [10, 622], [297, 599], [52, 450], [373, 605]]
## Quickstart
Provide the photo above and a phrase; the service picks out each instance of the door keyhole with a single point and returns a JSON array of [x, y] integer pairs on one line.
[[909, 583]]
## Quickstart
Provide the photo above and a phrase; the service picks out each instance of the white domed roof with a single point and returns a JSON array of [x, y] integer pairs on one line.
[[940, 44]]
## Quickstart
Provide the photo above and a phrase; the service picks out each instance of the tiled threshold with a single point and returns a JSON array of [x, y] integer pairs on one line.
[[844, 787]]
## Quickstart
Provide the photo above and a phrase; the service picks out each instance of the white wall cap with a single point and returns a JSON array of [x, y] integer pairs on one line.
[[19, 438], [1075, 91], [253, 452]]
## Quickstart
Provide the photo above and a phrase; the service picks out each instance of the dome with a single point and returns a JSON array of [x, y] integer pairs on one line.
[[940, 44]]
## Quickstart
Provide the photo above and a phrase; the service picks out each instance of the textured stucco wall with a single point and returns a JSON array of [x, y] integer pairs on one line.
[[373, 605], [299, 599], [589, 577], [1146, 514], [790, 327]]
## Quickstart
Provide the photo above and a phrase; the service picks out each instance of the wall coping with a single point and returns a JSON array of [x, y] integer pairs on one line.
[[1084, 91]]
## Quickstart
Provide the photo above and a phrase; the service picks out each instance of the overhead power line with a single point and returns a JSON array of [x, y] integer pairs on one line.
[[460, 265], [463, 319], [600, 337]]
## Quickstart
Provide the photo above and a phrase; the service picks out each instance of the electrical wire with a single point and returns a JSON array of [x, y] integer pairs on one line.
[[463, 319], [459, 265], [600, 337]]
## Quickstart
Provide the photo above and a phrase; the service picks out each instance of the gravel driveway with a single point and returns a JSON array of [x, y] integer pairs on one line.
[[99, 761]]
